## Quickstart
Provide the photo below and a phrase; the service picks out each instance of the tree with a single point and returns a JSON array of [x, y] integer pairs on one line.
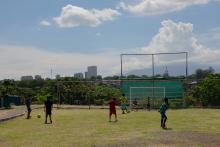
[[201, 74], [208, 91], [115, 77], [132, 77]]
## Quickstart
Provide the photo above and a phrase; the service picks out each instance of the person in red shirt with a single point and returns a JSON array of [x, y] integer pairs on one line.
[[112, 109]]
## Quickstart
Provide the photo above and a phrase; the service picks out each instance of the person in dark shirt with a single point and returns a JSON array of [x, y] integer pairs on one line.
[[112, 109], [135, 105], [148, 103], [48, 106], [28, 105]]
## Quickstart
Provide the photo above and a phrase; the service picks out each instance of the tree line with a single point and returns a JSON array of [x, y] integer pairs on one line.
[[203, 88]]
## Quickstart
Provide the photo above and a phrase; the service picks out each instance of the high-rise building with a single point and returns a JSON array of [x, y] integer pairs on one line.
[[78, 75], [92, 72], [86, 75]]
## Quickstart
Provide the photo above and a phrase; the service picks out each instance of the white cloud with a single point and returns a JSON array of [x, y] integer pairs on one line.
[[171, 37], [175, 37], [178, 37], [17, 61], [73, 16], [156, 7], [45, 23]]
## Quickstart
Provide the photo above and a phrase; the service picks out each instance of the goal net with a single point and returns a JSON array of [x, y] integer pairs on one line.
[[144, 95]]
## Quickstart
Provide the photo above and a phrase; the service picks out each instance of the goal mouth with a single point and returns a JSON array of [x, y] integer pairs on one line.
[[144, 94]]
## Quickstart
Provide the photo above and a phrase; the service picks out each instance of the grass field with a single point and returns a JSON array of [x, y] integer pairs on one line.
[[77, 127]]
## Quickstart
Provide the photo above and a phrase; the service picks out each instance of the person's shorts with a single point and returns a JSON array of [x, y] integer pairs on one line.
[[112, 112], [163, 115], [123, 107], [48, 112]]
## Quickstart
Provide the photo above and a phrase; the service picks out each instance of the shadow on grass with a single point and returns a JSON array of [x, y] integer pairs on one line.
[[167, 129]]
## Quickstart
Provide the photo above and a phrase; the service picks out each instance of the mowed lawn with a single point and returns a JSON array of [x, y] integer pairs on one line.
[[78, 127]]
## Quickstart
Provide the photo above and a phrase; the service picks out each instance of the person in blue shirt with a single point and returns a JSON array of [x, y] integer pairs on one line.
[[162, 111]]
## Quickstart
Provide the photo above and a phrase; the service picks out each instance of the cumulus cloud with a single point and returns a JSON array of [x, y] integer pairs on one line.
[[175, 37], [156, 7], [74, 16], [45, 23], [32, 61], [178, 37], [172, 37]]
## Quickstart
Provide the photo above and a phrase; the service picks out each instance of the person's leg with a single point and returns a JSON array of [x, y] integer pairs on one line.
[[162, 120], [165, 119], [46, 118], [116, 117], [50, 116], [123, 111], [29, 113], [110, 114]]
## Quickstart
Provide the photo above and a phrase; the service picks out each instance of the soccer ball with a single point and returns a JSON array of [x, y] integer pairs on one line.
[[38, 116]]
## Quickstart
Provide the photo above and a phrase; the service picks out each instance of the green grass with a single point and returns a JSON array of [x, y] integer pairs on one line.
[[79, 127]]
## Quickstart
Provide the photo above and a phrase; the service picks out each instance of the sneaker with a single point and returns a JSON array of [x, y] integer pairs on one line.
[[164, 127]]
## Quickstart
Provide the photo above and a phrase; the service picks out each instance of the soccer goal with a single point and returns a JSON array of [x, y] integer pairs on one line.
[[155, 76], [143, 95]]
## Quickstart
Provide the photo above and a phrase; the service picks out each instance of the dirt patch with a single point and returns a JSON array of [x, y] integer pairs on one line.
[[172, 139], [190, 138], [2, 144]]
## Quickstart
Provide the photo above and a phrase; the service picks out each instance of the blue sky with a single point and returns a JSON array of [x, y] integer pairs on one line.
[[123, 29]]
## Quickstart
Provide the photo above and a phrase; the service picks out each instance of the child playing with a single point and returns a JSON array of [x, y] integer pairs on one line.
[[162, 111], [28, 105], [135, 105], [48, 106], [112, 109], [123, 101]]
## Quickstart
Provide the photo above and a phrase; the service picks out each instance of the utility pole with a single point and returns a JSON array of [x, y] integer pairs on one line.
[[51, 73]]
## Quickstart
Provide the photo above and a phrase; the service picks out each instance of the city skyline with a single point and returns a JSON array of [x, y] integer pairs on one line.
[[66, 36]]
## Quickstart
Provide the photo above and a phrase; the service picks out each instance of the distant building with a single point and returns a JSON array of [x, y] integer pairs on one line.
[[38, 77], [86, 75], [27, 78], [57, 77], [78, 75], [91, 72]]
